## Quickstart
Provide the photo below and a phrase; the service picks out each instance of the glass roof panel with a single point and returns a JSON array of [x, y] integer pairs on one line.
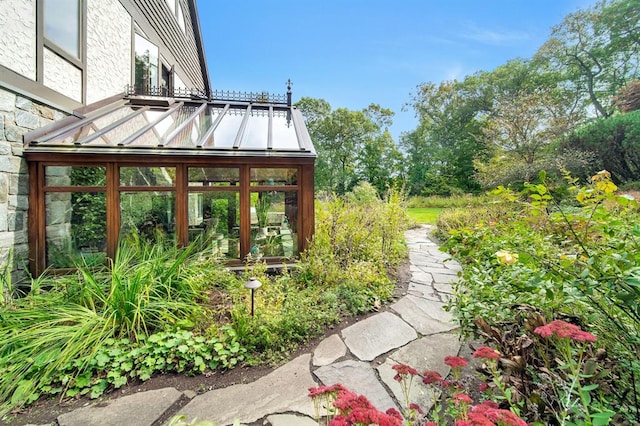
[[255, 135], [120, 133], [225, 134], [213, 128], [284, 134]]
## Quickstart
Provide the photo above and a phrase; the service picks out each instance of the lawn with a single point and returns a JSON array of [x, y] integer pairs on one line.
[[428, 215]]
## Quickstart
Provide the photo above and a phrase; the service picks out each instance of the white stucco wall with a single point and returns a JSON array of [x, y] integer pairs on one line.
[[109, 60], [18, 36], [62, 76]]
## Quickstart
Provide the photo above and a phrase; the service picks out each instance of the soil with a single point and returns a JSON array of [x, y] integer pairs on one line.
[[46, 410]]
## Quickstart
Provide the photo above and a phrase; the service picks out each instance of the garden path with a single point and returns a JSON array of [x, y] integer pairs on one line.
[[415, 331]]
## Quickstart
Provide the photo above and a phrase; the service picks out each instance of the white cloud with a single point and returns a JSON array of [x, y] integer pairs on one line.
[[491, 36]]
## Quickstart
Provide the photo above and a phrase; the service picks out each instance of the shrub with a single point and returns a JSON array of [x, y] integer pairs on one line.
[[578, 259]]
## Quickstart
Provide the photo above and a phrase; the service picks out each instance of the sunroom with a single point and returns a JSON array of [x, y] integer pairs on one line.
[[234, 170]]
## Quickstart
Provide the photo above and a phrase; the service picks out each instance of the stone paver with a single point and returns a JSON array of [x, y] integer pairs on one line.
[[376, 335], [358, 377], [425, 316], [283, 390], [143, 408], [329, 350], [289, 420]]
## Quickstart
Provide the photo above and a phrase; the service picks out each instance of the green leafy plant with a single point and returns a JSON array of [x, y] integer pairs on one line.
[[571, 250]]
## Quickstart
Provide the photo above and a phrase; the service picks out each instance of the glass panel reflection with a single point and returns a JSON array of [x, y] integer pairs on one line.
[[75, 176], [225, 134], [149, 213], [274, 224], [214, 217], [76, 228], [257, 131], [214, 176], [283, 133], [147, 176], [274, 176]]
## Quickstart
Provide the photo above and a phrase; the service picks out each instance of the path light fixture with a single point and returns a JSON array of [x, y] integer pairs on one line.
[[253, 284]]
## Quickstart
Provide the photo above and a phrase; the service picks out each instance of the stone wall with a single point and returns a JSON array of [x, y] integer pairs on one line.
[[18, 115]]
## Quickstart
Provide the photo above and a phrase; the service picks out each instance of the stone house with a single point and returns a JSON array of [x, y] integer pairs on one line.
[[73, 73]]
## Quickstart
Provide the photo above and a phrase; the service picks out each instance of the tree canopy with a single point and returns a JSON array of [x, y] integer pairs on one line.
[[569, 108]]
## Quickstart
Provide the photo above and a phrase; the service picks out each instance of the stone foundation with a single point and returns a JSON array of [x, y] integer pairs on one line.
[[18, 115]]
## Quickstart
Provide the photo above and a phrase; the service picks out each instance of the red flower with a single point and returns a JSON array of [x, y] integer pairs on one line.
[[483, 387], [429, 377], [486, 352], [415, 407], [402, 371], [564, 329], [455, 361], [322, 390], [488, 413], [394, 413], [462, 398], [430, 424]]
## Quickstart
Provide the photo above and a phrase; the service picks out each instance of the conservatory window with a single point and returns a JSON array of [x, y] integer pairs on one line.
[[75, 216]]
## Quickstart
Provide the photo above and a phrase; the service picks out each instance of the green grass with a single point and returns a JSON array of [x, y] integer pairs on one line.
[[428, 215]]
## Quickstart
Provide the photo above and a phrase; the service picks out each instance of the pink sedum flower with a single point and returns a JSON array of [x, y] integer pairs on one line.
[[486, 352], [429, 377], [566, 330], [455, 361]]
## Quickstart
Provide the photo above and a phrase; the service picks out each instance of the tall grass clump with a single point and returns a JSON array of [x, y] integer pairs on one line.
[[67, 319], [568, 253]]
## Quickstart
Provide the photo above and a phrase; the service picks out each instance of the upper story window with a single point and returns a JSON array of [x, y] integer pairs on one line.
[[62, 24], [146, 65]]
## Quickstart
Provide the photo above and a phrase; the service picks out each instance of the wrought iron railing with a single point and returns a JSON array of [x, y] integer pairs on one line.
[[215, 95]]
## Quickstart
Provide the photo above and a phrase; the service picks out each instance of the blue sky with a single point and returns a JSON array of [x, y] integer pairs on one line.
[[352, 53]]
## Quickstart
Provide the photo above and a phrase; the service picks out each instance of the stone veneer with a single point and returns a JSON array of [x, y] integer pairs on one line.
[[18, 115]]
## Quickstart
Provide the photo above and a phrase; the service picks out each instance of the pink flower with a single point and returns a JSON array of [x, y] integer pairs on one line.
[[482, 387], [462, 398], [429, 377], [322, 390], [455, 361], [564, 329], [489, 412], [394, 413], [486, 352], [415, 407], [403, 370]]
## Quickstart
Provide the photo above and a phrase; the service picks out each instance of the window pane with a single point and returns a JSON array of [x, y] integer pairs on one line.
[[148, 213], [75, 176], [62, 23], [214, 176], [147, 176], [146, 66], [274, 224], [271, 177], [76, 228], [215, 217]]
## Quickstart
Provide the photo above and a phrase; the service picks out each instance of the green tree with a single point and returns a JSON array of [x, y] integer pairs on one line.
[[597, 50], [352, 145]]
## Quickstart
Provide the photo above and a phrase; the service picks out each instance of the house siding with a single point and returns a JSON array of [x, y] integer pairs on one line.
[[181, 48]]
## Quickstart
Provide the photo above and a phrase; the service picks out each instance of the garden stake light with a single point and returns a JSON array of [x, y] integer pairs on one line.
[[252, 285]]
